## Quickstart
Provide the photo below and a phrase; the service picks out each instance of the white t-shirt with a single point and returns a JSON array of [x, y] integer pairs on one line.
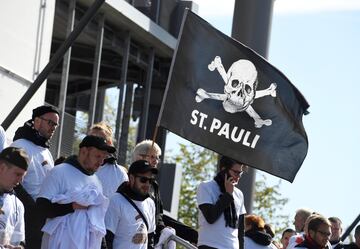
[[65, 178], [124, 221], [216, 234], [84, 228], [3, 140], [295, 240], [12, 226], [41, 162], [111, 176]]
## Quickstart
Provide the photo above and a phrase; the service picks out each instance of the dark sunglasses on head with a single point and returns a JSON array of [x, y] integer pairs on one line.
[[144, 179]]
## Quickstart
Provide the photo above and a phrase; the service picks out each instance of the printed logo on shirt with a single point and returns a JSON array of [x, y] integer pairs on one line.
[[137, 217], [139, 238]]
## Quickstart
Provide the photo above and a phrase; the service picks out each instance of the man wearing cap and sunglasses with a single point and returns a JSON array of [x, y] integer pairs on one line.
[[34, 138], [130, 218], [62, 193], [151, 152], [13, 166]]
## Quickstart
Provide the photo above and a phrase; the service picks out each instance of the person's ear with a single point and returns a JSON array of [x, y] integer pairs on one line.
[[37, 122], [131, 178]]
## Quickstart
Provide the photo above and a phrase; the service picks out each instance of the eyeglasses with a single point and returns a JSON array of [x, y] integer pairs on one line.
[[152, 157], [237, 173], [50, 122], [144, 179], [325, 234]]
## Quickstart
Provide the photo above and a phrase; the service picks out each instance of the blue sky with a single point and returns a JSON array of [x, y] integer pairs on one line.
[[316, 44]]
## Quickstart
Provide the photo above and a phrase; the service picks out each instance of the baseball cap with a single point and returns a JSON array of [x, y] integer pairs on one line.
[[41, 110], [15, 156], [141, 166], [97, 142]]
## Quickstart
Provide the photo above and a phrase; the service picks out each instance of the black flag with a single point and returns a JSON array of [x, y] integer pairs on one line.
[[225, 97]]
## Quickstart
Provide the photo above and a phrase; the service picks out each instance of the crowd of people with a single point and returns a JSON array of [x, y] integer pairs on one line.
[[88, 201]]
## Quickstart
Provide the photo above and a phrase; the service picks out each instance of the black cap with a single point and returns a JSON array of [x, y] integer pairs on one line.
[[15, 156], [41, 110], [97, 142], [141, 166]]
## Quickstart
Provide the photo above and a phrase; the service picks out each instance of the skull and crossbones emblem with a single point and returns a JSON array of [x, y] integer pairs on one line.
[[240, 89]]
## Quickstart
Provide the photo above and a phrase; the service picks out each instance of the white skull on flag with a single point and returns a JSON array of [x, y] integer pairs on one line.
[[240, 89]]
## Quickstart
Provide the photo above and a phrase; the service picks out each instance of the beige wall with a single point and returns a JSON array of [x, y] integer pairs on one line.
[[26, 32]]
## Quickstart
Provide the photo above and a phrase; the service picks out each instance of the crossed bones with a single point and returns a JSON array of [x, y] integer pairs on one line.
[[233, 103]]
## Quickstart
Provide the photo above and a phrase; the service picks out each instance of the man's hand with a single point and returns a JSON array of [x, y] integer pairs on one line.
[[78, 206], [229, 184]]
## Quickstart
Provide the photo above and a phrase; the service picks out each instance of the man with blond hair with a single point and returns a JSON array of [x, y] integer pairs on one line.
[[318, 234]]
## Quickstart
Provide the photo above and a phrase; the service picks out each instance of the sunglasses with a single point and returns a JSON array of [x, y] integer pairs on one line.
[[144, 179]]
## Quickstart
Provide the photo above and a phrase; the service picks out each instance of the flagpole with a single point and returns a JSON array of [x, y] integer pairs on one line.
[[154, 138], [171, 69]]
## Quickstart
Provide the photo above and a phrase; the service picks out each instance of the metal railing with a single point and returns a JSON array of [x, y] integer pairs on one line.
[[180, 241]]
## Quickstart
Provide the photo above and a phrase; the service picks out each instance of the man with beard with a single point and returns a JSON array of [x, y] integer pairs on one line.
[[34, 138], [317, 235], [13, 166], [221, 204], [130, 219], [71, 191]]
